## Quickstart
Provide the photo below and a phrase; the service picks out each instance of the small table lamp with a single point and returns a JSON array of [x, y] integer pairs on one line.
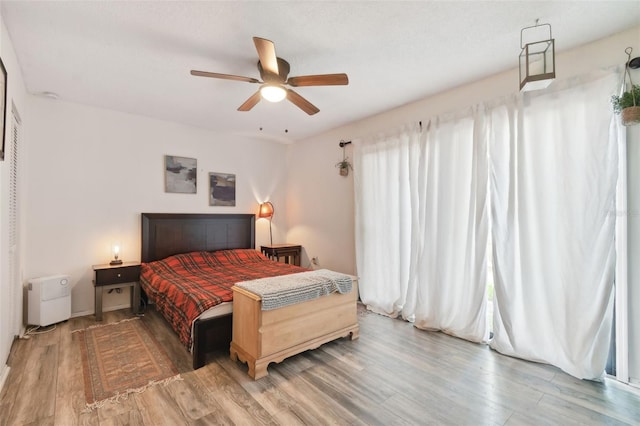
[[116, 253]]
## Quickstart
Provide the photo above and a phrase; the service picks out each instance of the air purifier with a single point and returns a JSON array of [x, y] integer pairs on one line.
[[49, 300]]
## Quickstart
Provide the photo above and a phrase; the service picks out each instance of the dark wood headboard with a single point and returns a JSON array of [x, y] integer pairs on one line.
[[166, 234]]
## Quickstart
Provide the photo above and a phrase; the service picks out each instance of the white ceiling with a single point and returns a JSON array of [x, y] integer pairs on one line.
[[136, 56]]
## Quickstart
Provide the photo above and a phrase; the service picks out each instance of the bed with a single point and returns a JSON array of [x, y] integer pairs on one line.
[[214, 239], [198, 268]]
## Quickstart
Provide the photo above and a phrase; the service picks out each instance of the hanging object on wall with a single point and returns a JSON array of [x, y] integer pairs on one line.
[[537, 58], [627, 103], [344, 165]]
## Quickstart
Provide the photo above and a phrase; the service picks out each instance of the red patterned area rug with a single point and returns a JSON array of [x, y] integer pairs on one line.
[[119, 359]]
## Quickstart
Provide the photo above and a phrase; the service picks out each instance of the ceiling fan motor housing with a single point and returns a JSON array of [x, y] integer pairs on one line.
[[283, 72]]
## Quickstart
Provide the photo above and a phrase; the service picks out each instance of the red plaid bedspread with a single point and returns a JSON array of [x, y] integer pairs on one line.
[[185, 285]]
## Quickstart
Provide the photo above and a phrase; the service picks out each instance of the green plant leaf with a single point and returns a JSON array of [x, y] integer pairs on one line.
[[628, 99]]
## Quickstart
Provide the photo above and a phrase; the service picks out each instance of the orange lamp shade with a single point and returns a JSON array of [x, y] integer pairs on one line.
[[266, 210]]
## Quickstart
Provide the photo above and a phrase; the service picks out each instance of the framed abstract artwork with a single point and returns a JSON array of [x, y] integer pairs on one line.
[[222, 189], [180, 174]]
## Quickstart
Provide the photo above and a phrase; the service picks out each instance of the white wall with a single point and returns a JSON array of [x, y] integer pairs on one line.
[[320, 203], [10, 298], [93, 171]]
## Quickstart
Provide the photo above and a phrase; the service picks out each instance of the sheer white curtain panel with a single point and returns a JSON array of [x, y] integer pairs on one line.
[[553, 183], [422, 224], [447, 284], [384, 222]]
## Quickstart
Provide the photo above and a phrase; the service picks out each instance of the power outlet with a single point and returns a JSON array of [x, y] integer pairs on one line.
[[314, 260]]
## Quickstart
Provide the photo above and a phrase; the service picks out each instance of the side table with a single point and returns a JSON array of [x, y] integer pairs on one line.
[[290, 252], [107, 277]]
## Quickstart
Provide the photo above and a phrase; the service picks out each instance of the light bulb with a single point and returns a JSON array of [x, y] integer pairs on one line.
[[273, 93]]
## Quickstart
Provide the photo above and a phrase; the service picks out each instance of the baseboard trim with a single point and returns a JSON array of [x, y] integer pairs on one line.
[[81, 314], [106, 309], [4, 373]]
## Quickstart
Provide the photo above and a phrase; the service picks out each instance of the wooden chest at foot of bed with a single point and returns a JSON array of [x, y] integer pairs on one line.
[[261, 337]]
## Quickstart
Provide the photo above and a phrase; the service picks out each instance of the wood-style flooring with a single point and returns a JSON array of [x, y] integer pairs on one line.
[[393, 374]]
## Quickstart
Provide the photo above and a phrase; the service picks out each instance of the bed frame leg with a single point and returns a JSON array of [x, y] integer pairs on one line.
[[197, 361]]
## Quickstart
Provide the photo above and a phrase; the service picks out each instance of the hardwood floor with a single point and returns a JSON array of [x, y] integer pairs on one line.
[[393, 374]]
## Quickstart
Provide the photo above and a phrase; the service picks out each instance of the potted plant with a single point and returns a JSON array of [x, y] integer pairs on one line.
[[344, 166], [628, 105]]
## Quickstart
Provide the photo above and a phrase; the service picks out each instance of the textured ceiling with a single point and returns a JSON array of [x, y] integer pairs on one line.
[[136, 56]]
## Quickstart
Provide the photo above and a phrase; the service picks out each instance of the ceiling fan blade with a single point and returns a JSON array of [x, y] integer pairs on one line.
[[301, 102], [224, 76], [251, 102], [319, 80], [267, 54]]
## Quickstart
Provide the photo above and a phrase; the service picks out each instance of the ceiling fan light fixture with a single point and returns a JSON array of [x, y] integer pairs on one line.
[[274, 73], [273, 93]]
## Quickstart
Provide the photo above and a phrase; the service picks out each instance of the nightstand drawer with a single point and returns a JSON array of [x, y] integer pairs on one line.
[[123, 274]]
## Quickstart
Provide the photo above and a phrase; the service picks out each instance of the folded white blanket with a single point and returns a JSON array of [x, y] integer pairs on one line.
[[285, 290]]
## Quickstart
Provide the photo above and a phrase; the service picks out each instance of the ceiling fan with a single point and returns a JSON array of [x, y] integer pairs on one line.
[[274, 72]]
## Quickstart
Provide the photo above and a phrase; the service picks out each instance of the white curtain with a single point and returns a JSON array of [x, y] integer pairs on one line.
[[448, 272], [422, 226], [553, 184], [422, 223], [383, 217]]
